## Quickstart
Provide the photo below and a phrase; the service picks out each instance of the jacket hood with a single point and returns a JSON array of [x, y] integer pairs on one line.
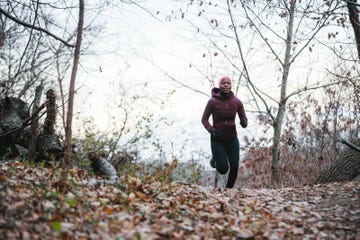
[[215, 92]]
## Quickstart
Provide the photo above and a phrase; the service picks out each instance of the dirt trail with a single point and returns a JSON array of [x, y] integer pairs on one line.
[[32, 207]]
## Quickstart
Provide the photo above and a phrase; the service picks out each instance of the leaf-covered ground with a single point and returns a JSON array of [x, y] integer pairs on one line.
[[32, 207]]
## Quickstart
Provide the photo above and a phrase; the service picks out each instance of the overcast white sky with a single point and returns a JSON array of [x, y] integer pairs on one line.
[[133, 39]]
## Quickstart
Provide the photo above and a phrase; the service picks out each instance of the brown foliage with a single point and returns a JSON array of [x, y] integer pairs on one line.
[[32, 207]]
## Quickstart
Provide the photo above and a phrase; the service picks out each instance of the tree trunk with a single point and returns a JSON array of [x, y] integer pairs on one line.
[[216, 179], [68, 129], [277, 126], [2, 37], [345, 168], [34, 125], [355, 22], [50, 120], [275, 155], [48, 145]]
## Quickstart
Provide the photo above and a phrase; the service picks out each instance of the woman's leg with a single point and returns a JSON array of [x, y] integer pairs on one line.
[[233, 149], [218, 150]]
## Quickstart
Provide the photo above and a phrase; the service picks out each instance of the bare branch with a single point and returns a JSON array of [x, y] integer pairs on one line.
[[304, 89], [178, 82], [120, 134], [351, 2], [256, 90], [146, 10], [318, 28], [35, 28], [350, 145], [262, 36]]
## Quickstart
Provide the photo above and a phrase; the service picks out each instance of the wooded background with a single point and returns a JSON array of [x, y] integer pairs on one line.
[[295, 65]]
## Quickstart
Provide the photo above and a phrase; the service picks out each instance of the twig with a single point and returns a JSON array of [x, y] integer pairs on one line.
[[350, 2], [356, 148], [35, 28]]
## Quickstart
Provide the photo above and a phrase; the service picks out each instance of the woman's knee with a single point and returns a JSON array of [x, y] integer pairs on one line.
[[222, 170]]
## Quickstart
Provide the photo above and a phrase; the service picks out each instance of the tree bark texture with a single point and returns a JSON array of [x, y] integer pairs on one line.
[[355, 22], [14, 122], [2, 38], [48, 145], [34, 125], [216, 179], [68, 127], [50, 120], [277, 125], [345, 168], [13, 112]]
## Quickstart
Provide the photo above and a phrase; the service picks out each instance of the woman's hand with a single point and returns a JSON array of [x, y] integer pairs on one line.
[[217, 133]]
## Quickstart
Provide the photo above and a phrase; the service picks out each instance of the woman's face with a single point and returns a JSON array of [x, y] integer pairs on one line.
[[225, 86]]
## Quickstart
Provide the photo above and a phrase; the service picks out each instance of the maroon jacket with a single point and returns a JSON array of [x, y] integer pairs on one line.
[[223, 108]]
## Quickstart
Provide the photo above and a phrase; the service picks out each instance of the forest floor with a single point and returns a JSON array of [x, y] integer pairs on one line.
[[34, 205]]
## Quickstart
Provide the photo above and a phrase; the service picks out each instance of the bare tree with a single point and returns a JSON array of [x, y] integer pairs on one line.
[[354, 8], [26, 57], [279, 34], [68, 130], [29, 44], [298, 37]]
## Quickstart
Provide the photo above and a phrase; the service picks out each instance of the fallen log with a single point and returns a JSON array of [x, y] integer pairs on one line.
[[13, 112], [15, 129], [344, 168]]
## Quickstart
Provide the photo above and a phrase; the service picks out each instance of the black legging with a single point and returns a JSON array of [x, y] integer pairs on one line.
[[225, 154]]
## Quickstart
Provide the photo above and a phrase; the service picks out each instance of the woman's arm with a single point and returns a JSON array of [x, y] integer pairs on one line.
[[205, 117], [242, 115]]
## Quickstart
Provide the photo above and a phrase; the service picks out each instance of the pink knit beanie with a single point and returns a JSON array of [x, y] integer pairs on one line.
[[224, 78]]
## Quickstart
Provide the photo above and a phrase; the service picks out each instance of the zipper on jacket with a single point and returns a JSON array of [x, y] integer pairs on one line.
[[227, 108]]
